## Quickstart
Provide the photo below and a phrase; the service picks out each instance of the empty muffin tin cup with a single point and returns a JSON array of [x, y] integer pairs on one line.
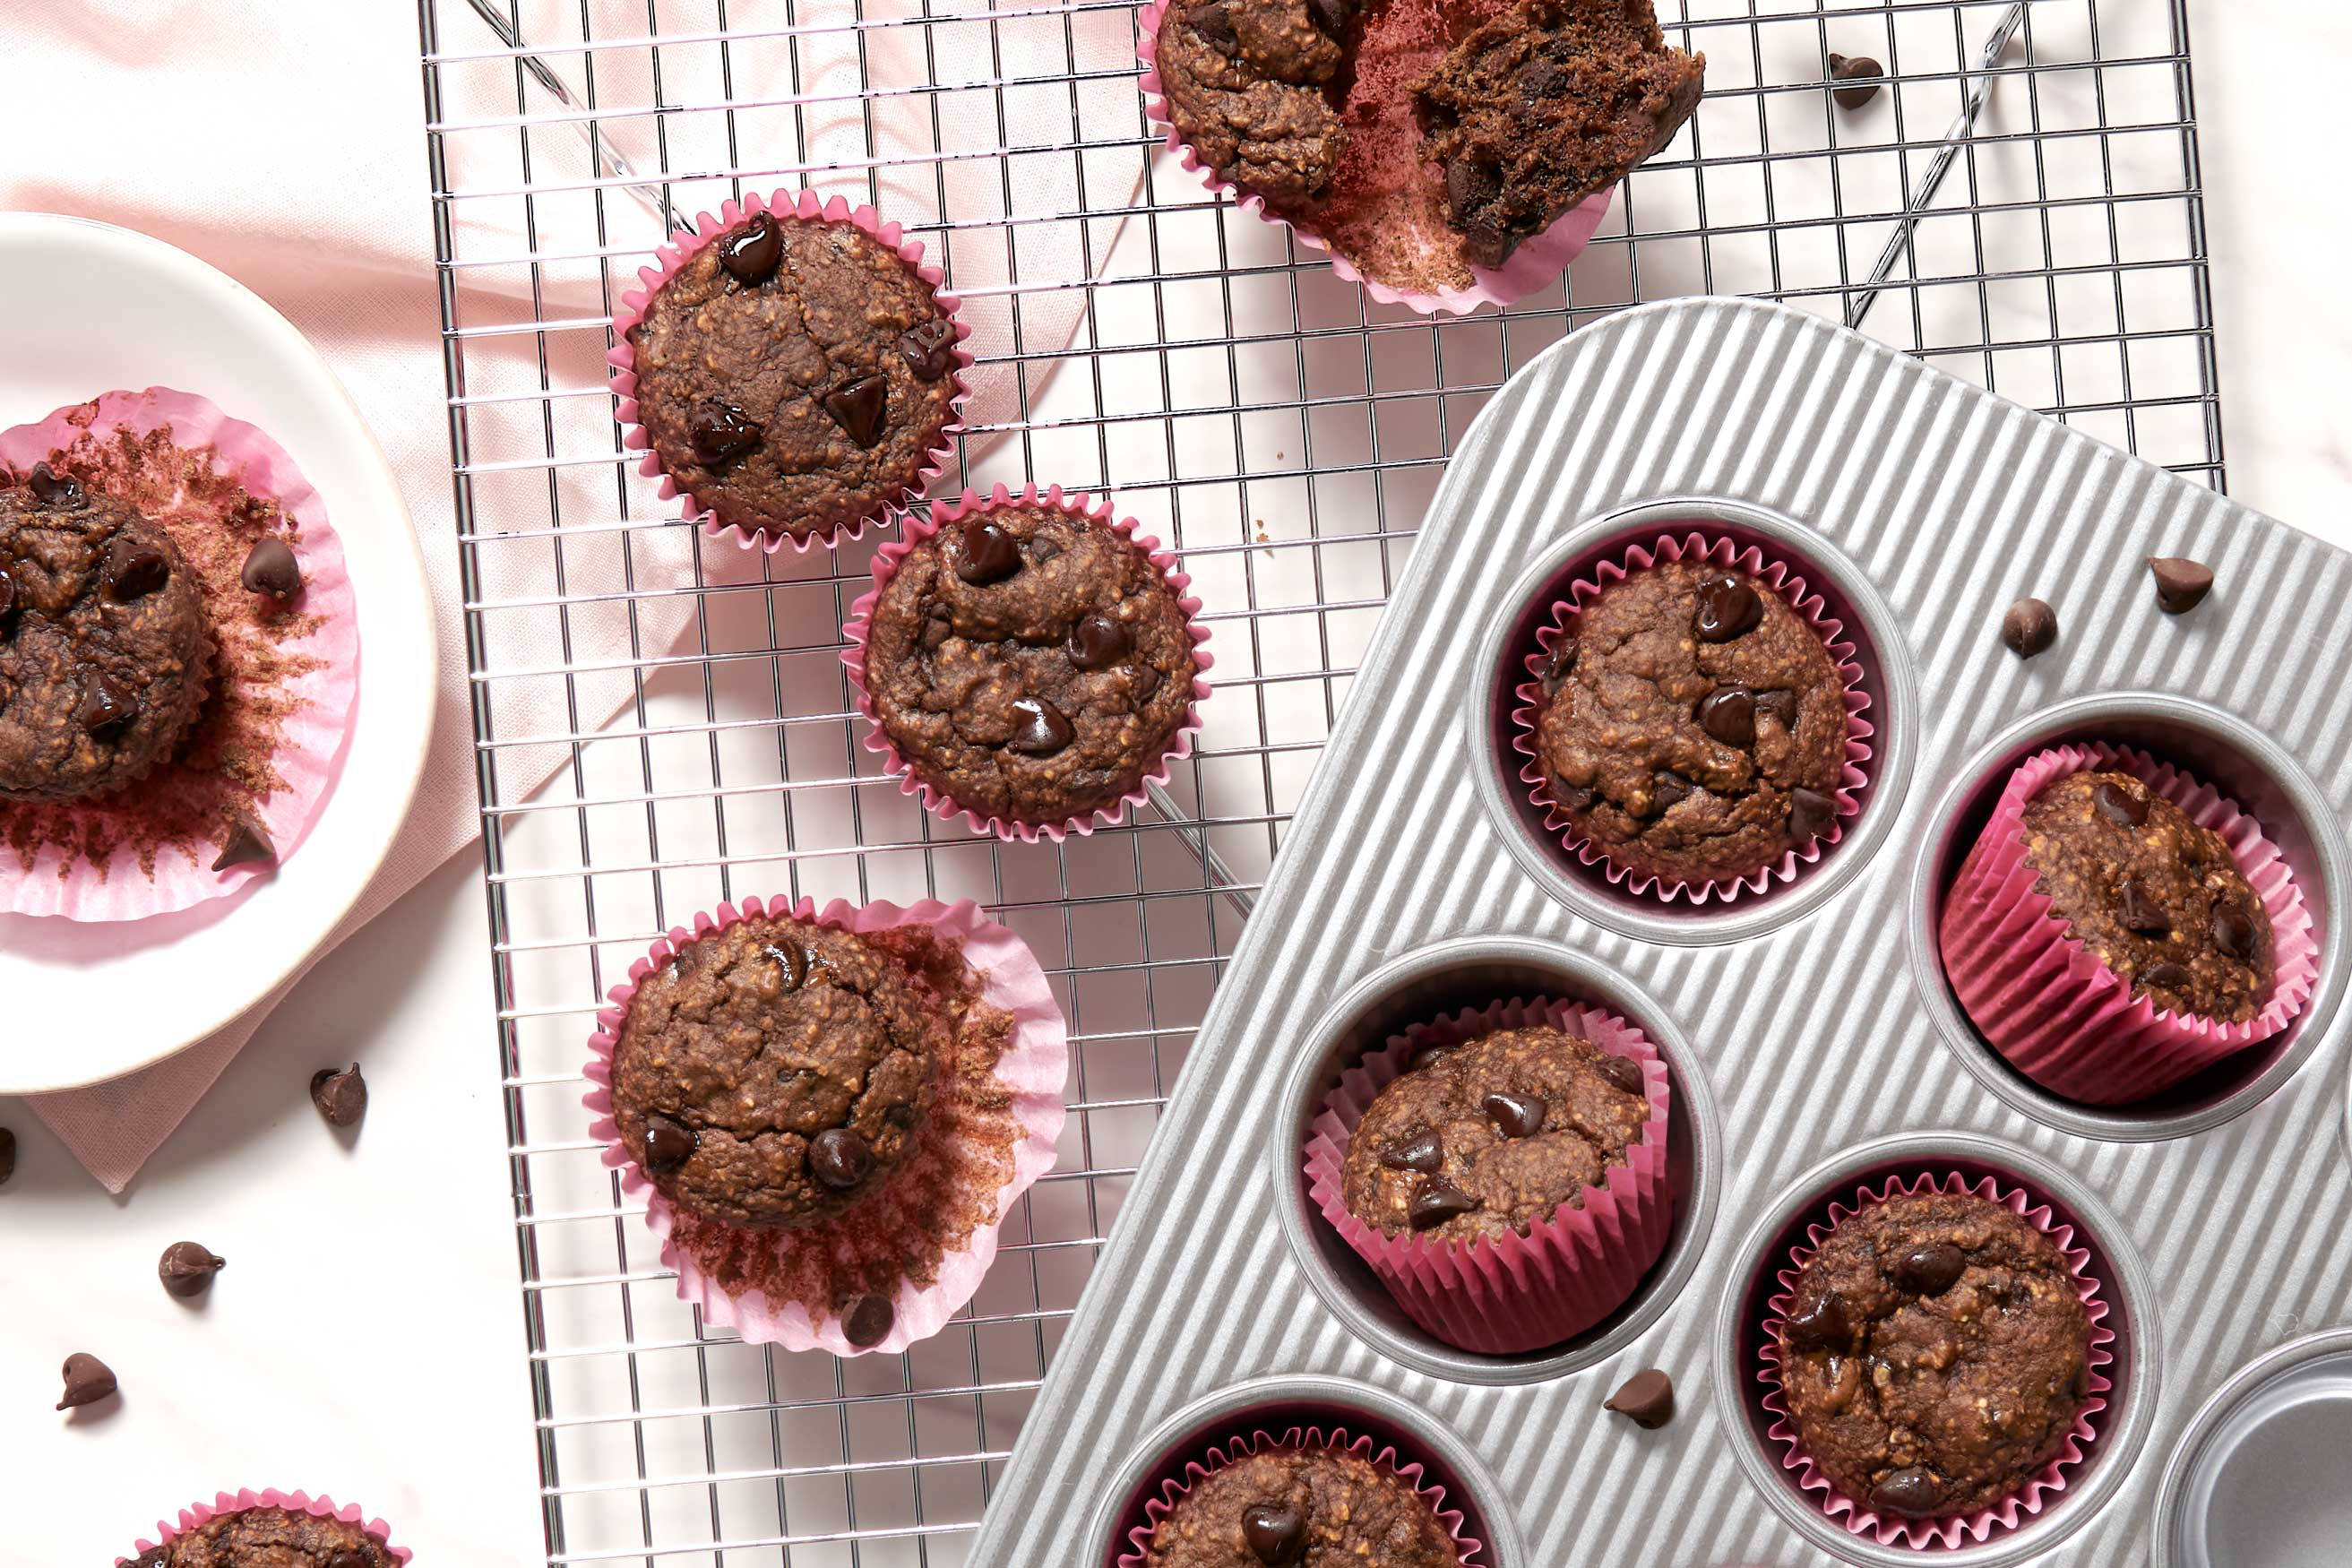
[[2258, 1479]]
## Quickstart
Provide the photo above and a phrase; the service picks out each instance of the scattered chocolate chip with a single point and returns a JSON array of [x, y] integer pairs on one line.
[[1624, 1072], [1728, 607], [669, 1142], [1469, 186], [1424, 1154], [247, 844], [271, 567], [2170, 975], [52, 488], [2126, 805], [1514, 1115], [1098, 642], [1728, 713], [340, 1097], [720, 432], [1215, 23], [134, 570], [2235, 932], [2029, 627], [1557, 665], [1646, 1399], [858, 407], [1543, 79], [105, 709], [990, 554], [87, 1380], [868, 1319], [1779, 706], [187, 1269], [1913, 1494], [1810, 812], [1571, 796], [1669, 790], [752, 253], [1931, 1268], [1042, 729], [1818, 1322], [2181, 584], [929, 348], [2141, 912], [840, 1159], [1859, 69], [1438, 1202], [8, 1155], [1275, 1532], [1334, 17]]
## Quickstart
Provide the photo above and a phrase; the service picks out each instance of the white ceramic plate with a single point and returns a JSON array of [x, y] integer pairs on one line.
[[110, 308]]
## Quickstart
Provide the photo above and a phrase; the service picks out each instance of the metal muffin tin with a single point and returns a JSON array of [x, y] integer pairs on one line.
[[1813, 1039]]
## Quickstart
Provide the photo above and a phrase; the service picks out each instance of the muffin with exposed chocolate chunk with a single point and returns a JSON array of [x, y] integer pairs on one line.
[[1250, 85], [271, 1537], [1299, 1507]]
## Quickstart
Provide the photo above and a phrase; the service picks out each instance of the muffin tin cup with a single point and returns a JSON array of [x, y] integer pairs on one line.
[[797, 207], [1030, 1075], [1520, 1292], [312, 736], [2038, 1490], [196, 1514], [1078, 504], [1537, 263], [2048, 1004], [1695, 544]]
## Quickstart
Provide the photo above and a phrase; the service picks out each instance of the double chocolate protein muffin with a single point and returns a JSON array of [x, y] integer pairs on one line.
[[104, 650], [794, 374], [1030, 663], [1301, 1508], [1935, 1355], [1490, 1136], [2157, 898], [1691, 725], [1251, 86], [269, 1538]]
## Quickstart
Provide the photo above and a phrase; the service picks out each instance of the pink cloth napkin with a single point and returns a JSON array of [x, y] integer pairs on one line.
[[282, 141]]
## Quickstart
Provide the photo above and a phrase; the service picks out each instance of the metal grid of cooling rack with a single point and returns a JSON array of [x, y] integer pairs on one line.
[[660, 716]]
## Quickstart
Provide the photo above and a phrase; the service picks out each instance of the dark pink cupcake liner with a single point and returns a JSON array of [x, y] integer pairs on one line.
[[196, 1514], [913, 531], [803, 206], [2037, 1491], [1524, 1291], [1789, 585]]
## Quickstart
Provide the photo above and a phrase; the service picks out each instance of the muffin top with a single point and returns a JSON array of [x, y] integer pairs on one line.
[[1247, 84], [1490, 1136], [1691, 724], [772, 1073], [794, 374], [103, 645], [269, 1538], [1935, 1353], [2155, 897], [1032, 664], [1301, 1508]]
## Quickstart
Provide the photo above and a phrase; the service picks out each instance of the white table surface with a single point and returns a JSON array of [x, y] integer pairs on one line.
[[379, 1271]]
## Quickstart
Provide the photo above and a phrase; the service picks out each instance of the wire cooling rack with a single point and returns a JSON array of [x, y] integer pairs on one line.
[[661, 719]]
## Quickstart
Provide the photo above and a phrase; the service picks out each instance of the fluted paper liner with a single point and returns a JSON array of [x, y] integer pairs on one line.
[[196, 1514]]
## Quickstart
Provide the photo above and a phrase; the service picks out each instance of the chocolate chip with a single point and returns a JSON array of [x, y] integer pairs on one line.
[[351, 1558], [1487, 245], [8, 1155], [990, 554], [1215, 23], [2235, 932], [1042, 729], [2140, 911], [1669, 790], [669, 1142], [157, 1557], [857, 407], [105, 709], [929, 348], [1624, 1072], [2170, 975], [1573, 797], [1913, 1494], [1646, 1399], [1862, 68], [52, 488], [1558, 665], [2181, 584], [868, 1319], [247, 844], [88, 1381], [1424, 1154], [1810, 812], [1818, 1322], [1334, 17], [1514, 1115], [752, 253], [1728, 607], [1543, 79], [340, 1097], [1438, 1202], [2122, 805], [840, 1159], [1931, 1268], [2029, 627], [1781, 707], [1469, 186], [270, 568], [186, 1268], [7, 602], [1275, 1532], [1098, 642], [134, 570], [791, 961], [720, 432], [1728, 713]]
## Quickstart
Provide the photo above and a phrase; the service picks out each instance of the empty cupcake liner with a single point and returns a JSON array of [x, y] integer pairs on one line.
[[1784, 580], [2033, 1495], [803, 206], [709, 1256], [1276, 1436], [196, 1514], [1539, 261], [2043, 999], [914, 529], [140, 448], [1566, 1272]]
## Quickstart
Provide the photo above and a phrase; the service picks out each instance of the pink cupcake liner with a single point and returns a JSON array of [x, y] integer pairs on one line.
[[804, 206], [107, 441], [196, 1514], [2034, 1494], [1785, 581], [1567, 1271], [1260, 1439], [1031, 1070], [2048, 1004], [1539, 261], [913, 531]]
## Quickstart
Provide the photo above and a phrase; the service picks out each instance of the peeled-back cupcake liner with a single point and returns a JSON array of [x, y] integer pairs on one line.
[[1031, 1072], [137, 446], [1255, 1438], [2046, 1002], [1789, 585], [2034, 1493], [196, 1514], [1566, 1272], [1539, 260], [787, 206], [913, 531]]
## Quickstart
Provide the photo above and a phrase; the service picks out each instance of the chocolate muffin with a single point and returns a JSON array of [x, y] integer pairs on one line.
[[1301, 1508], [1249, 86], [1691, 725], [773, 1073], [1490, 1136], [1030, 663], [794, 374], [2154, 897], [269, 1538], [103, 645], [1551, 102], [1935, 1355]]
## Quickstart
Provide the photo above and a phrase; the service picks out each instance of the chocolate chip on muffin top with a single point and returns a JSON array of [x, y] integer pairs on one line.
[[1301, 1508]]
